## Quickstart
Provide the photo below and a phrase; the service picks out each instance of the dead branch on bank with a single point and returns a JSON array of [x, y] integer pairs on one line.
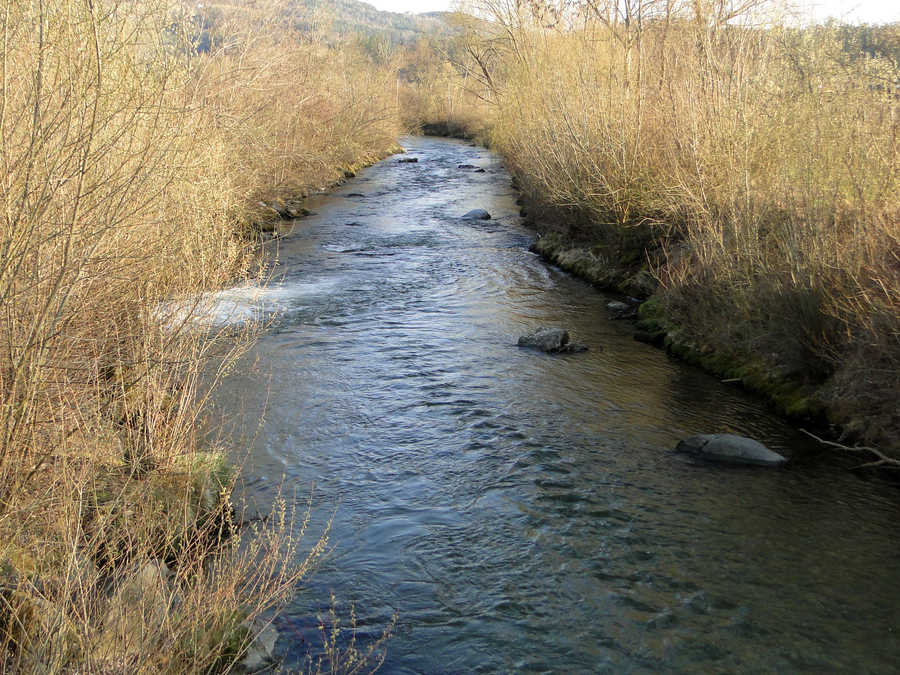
[[882, 461]]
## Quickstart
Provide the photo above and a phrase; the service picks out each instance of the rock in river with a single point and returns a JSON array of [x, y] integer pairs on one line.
[[477, 214], [621, 310], [408, 160], [730, 449], [552, 341]]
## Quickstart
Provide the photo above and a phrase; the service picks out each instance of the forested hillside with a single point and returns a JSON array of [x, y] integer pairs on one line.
[[352, 17], [335, 21]]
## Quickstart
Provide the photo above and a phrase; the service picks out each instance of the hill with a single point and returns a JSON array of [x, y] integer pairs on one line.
[[342, 18]]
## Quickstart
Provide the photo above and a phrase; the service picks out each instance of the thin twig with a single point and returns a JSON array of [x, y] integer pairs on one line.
[[883, 460]]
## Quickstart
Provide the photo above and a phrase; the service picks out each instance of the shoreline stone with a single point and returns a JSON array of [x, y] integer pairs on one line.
[[261, 652]]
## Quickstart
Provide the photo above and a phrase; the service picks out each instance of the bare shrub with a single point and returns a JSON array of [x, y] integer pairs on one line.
[[760, 161], [129, 166]]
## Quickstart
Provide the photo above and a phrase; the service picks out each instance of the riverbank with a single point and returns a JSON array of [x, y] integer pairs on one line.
[[630, 261], [759, 212], [633, 268], [286, 207]]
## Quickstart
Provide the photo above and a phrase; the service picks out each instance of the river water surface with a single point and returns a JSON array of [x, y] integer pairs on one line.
[[520, 511]]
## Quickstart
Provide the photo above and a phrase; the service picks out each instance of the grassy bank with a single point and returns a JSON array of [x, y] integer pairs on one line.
[[133, 164], [744, 173]]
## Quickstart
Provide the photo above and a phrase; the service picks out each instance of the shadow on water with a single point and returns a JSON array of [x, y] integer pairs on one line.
[[521, 511]]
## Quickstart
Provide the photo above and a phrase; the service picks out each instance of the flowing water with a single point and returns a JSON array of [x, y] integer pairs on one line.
[[521, 511]]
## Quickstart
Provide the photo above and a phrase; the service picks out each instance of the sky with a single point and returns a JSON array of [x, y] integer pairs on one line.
[[411, 5], [851, 11]]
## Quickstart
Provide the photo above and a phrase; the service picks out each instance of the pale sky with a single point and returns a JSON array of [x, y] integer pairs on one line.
[[855, 11], [851, 11], [411, 5]]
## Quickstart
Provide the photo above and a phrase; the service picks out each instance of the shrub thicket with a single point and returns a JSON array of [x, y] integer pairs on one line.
[[130, 166], [753, 170]]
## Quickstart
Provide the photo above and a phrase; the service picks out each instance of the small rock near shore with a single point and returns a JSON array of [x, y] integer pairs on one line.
[[261, 652], [465, 166], [551, 341], [642, 284], [284, 212], [477, 214], [621, 310], [408, 160], [729, 449], [278, 209]]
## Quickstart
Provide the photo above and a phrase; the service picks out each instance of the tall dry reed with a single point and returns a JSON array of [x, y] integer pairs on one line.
[[753, 166], [129, 168]]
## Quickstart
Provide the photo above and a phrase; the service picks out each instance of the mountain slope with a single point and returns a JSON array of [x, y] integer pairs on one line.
[[347, 17]]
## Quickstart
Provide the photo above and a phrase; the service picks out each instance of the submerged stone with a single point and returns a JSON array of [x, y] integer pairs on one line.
[[552, 341], [621, 310], [477, 214], [729, 449]]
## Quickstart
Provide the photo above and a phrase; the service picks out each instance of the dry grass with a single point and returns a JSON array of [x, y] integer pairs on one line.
[[295, 112], [441, 88], [755, 169], [129, 169]]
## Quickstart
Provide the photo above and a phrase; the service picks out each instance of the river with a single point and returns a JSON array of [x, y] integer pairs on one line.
[[521, 511]]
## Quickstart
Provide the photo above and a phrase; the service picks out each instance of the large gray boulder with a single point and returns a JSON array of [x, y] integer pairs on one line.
[[477, 214], [552, 341], [729, 449]]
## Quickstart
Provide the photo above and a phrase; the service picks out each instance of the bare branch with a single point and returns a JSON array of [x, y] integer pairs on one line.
[[883, 460]]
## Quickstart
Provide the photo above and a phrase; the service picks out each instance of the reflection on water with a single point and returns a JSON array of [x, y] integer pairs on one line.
[[521, 511]]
